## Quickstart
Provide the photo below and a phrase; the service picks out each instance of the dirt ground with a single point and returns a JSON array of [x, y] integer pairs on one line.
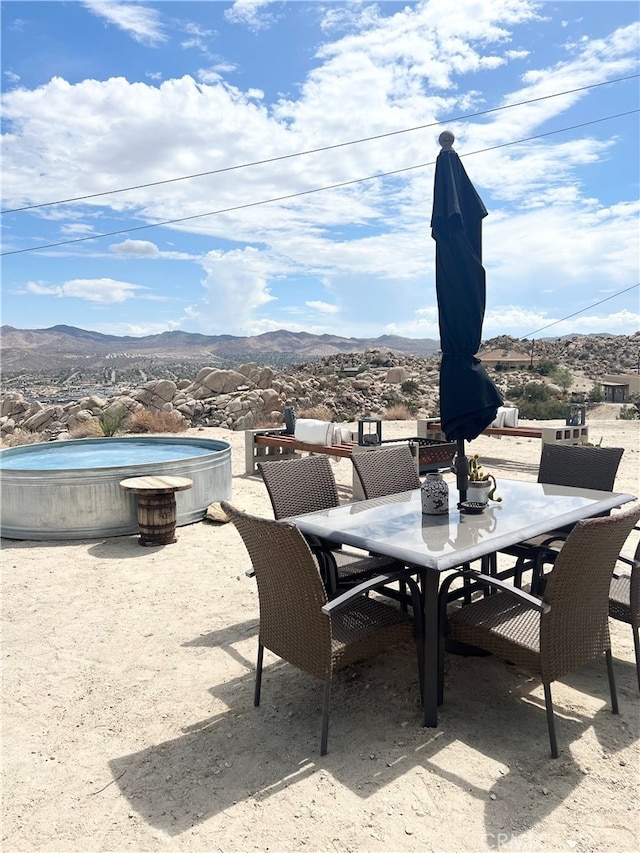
[[128, 720]]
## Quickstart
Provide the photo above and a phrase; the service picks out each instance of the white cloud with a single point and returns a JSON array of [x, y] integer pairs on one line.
[[235, 286], [141, 22], [548, 242], [323, 307], [250, 13], [103, 290], [135, 249]]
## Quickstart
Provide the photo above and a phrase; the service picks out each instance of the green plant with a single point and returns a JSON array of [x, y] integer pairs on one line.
[[596, 395], [628, 413], [111, 421], [545, 367], [410, 387], [478, 475], [563, 377]]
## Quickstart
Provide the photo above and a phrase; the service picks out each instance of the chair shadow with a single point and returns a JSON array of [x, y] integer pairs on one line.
[[507, 466], [375, 738]]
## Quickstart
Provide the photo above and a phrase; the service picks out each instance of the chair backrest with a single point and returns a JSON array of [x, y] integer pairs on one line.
[[386, 471], [290, 591], [576, 628], [579, 466], [300, 485]]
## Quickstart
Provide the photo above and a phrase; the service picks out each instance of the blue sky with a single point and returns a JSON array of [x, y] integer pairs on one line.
[[101, 95]]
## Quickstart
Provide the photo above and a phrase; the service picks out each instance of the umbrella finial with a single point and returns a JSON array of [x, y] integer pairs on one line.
[[446, 140]]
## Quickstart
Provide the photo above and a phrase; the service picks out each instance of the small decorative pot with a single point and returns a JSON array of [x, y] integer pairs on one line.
[[481, 491], [435, 495]]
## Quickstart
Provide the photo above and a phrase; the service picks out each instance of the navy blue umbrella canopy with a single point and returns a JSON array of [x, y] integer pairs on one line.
[[468, 398]]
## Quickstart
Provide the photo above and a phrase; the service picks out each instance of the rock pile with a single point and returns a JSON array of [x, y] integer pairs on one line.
[[348, 385], [245, 397]]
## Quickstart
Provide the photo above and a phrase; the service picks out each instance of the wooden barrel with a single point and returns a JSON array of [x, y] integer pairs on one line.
[[157, 518]]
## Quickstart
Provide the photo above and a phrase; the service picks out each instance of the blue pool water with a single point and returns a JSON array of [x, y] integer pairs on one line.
[[108, 454]]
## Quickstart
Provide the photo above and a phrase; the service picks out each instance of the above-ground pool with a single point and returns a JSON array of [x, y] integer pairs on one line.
[[71, 489]]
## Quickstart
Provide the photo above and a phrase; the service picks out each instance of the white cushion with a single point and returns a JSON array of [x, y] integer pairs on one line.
[[314, 432], [511, 417], [498, 423]]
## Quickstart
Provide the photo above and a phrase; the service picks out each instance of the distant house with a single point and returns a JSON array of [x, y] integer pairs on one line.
[[506, 358], [618, 388]]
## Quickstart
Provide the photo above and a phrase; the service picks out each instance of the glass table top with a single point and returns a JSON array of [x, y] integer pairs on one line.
[[395, 526]]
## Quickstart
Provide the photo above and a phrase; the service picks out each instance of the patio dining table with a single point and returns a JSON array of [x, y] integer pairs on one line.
[[394, 526]]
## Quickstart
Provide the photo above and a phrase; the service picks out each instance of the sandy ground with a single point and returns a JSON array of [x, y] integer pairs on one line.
[[129, 724]]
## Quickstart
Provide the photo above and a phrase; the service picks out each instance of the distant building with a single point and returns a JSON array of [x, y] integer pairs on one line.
[[618, 388], [506, 358]]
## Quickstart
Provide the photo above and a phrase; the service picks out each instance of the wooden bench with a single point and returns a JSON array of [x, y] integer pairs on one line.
[[275, 444], [549, 435]]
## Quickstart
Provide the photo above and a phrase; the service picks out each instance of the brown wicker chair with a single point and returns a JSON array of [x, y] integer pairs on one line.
[[386, 471], [559, 633], [299, 624], [624, 601], [296, 486], [563, 465]]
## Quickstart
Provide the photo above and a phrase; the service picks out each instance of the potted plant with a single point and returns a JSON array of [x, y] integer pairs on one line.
[[482, 486]]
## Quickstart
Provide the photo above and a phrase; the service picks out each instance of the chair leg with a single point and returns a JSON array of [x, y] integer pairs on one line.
[[256, 695], [325, 718], [551, 723], [636, 646], [612, 682], [403, 600]]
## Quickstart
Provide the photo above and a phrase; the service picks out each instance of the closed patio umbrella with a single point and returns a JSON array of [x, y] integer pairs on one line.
[[468, 398]]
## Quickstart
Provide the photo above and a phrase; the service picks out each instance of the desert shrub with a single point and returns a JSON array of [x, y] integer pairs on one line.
[[562, 377], [632, 411], [111, 421], [151, 420], [267, 421], [87, 429], [398, 412], [513, 392], [410, 387], [596, 395], [546, 367], [20, 437], [319, 413], [535, 392], [540, 410]]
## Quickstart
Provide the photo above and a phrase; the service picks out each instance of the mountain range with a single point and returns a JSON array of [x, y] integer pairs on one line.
[[67, 347]]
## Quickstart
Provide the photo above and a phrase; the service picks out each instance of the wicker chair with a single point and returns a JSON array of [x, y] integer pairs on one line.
[[296, 486], [559, 633], [299, 624], [563, 465], [624, 601], [387, 471]]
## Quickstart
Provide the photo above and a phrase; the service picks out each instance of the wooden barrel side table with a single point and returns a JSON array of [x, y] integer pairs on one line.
[[156, 506]]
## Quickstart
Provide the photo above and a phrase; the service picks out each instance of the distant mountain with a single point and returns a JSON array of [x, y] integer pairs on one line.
[[67, 347]]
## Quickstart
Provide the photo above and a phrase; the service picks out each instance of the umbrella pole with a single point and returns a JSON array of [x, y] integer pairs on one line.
[[462, 471]]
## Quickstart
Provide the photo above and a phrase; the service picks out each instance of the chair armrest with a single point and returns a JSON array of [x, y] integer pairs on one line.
[[635, 564], [546, 543], [513, 591], [366, 586]]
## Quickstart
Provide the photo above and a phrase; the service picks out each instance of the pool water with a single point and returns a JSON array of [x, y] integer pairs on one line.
[[114, 454]]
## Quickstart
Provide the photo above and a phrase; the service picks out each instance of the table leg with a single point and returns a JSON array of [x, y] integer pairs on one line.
[[430, 708]]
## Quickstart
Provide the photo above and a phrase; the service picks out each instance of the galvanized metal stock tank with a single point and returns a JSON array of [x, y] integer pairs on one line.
[[69, 499]]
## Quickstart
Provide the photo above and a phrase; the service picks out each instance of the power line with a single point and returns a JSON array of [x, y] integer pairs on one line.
[[318, 150], [581, 311], [303, 192]]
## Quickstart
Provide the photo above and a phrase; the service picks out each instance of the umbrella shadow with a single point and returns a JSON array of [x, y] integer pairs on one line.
[[248, 754]]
